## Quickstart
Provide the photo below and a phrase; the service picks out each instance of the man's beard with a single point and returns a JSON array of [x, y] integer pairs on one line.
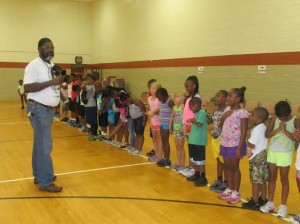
[[48, 57]]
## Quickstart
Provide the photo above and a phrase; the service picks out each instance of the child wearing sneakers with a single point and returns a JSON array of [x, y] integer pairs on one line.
[[165, 112], [258, 167], [219, 185], [90, 108], [153, 117], [101, 100], [175, 126], [192, 88], [197, 142], [280, 129], [234, 125], [137, 111]]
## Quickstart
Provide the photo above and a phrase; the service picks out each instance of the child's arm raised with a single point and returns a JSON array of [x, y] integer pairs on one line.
[[223, 118], [193, 121], [270, 132]]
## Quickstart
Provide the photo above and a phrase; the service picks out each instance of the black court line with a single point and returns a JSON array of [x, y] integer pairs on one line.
[[128, 198]]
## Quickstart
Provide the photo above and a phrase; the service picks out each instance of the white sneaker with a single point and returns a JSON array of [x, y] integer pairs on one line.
[[116, 143], [188, 171], [130, 149], [295, 219], [282, 211], [137, 152], [268, 207]]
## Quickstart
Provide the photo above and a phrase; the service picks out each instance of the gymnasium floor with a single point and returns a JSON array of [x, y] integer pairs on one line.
[[103, 184]]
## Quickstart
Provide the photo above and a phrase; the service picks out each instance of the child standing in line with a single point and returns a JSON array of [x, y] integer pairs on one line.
[[192, 88], [101, 101], [22, 94], [165, 112], [219, 185], [258, 167], [197, 142], [149, 83], [153, 116], [280, 129], [90, 108], [111, 112], [64, 101], [175, 126], [137, 111], [234, 125]]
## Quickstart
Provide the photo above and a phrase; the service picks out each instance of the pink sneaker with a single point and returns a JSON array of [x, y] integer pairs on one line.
[[234, 197], [226, 194]]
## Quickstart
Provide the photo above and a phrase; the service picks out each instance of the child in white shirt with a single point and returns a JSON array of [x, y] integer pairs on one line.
[[258, 167]]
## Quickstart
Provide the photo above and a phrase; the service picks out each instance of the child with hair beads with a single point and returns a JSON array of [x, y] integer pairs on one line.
[[258, 167], [192, 87], [153, 116], [280, 129], [219, 185], [234, 125], [197, 142], [164, 120], [175, 126]]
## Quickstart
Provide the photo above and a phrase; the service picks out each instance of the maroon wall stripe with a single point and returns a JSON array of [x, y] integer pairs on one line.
[[282, 58]]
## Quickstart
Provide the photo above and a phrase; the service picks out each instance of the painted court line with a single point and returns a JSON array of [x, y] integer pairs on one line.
[[14, 123], [79, 171]]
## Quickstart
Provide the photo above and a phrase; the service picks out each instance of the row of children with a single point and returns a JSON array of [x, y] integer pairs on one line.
[[186, 119], [229, 142]]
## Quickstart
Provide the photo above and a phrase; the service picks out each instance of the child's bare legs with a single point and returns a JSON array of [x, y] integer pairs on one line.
[[255, 192], [272, 182], [126, 132], [228, 173], [233, 173], [179, 143], [236, 174], [22, 101], [157, 143], [82, 121], [139, 141], [111, 128], [120, 131], [103, 129], [165, 142], [200, 168], [263, 191], [284, 178], [220, 168]]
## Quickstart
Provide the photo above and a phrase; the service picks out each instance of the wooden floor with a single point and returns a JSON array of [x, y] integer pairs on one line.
[[103, 184]]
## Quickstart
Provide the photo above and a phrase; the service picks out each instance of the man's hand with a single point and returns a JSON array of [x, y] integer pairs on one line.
[[57, 81]]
